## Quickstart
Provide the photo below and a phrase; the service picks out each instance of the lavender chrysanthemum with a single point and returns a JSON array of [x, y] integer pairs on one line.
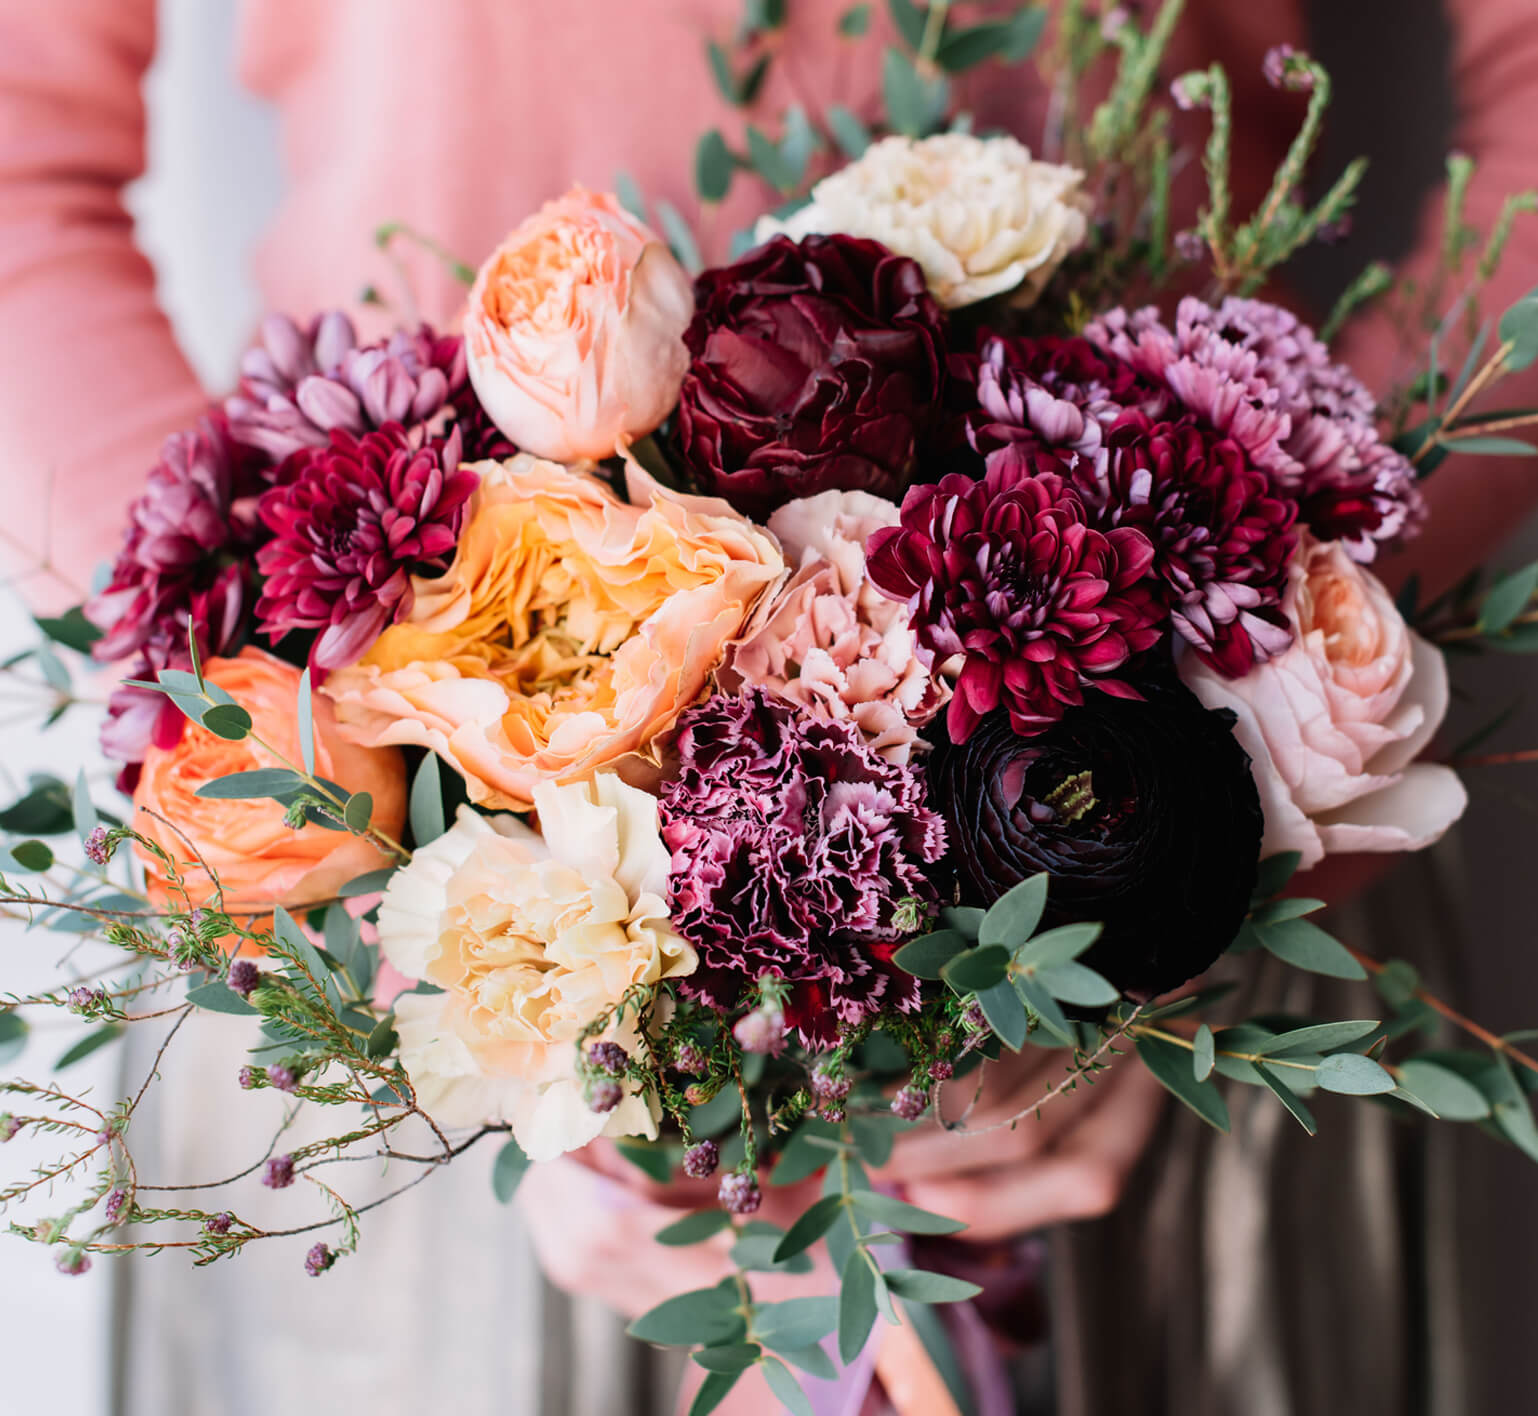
[[298, 386], [793, 847], [351, 524]]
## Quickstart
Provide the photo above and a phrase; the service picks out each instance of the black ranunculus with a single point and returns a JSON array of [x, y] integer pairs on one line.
[[1144, 814], [814, 365]]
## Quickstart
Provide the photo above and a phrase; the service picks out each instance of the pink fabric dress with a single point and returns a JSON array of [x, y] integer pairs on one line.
[[459, 119]]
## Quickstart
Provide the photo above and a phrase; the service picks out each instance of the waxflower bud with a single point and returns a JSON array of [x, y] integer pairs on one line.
[[605, 1096], [318, 1260], [9, 1126], [278, 1173], [112, 1208], [247, 1078], [282, 1078], [243, 977], [828, 1085], [219, 1223], [608, 1057], [762, 1030], [73, 1262], [910, 1103], [97, 849], [701, 1160], [739, 1193], [1190, 245], [697, 1095], [690, 1059], [941, 1070]]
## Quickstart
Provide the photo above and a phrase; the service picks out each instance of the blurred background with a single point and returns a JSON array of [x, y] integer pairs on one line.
[[214, 177]]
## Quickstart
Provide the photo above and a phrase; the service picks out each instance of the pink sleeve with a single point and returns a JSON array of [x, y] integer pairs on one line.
[[1476, 501], [90, 376]]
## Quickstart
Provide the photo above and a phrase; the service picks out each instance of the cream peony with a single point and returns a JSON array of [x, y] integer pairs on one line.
[[570, 631], [532, 936], [1333, 725], [977, 214], [832, 643], [574, 329]]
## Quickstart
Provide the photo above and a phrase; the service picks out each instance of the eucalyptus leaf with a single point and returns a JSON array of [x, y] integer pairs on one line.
[[1351, 1074], [1046, 1009], [1318, 1037], [507, 1171], [1171, 1065], [1078, 986], [925, 956], [810, 1359], [851, 135], [1519, 328], [915, 105], [713, 166], [1203, 1053], [651, 1158], [248, 786], [901, 1216], [13, 1035], [730, 1358], [1005, 1013], [697, 1316], [98, 1037], [694, 1228], [426, 805], [977, 968], [909, 20], [783, 1384], [919, 1286], [1452, 1097], [856, 1304], [306, 719], [679, 237], [713, 1391], [1058, 946], [227, 720], [82, 808], [219, 998], [358, 812], [32, 855], [797, 1322], [855, 21], [71, 629], [1491, 446], [1506, 599], [1013, 917], [1274, 872], [1305, 946]]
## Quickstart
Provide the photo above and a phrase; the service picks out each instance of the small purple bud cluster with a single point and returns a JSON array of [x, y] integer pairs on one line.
[[1190, 245], [106, 1135], [830, 1088], [762, 1030], [278, 1173], [739, 1193], [1285, 67], [247, 1078], [281, 1078], [318, 1260], [86, 1000], [219, 1224], [244, 977], [9, 1126], [1191, 91], [604, 1095], [73, 1262], [97, 848], [941, 1070], [690, 1059], [117, 1199], [185, 950], [701, 1160], [910, 1103], [609, 1057]]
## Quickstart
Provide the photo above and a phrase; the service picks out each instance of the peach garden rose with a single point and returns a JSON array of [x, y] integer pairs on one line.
[[574, 332], [259, 860], [569, 632], [531, 935], [1333, 726]]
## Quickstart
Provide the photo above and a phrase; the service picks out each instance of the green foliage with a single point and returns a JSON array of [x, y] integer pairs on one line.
[[1171, 1065], [1351, 1074], [71, 629], [96, 1038], [713, 166], [701, 1315], [1013, 917], [915, 105], [425, 806], [220, 998], [508, 1170]]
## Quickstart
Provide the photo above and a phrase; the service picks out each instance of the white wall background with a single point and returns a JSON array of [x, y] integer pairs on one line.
[[213, 179]]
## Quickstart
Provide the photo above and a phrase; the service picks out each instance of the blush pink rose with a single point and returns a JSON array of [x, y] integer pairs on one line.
[[831, 642], [1333, 726], [574, 331]]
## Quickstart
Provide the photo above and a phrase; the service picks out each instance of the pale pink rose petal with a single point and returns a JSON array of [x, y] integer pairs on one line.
[[1410, 813]]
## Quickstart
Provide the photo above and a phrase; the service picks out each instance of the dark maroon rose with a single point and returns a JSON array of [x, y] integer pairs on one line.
[[815, 365], [1008, 575], [351, 523], [1143, 812]]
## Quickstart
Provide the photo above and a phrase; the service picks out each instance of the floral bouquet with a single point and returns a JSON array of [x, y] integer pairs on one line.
[[723, 712]]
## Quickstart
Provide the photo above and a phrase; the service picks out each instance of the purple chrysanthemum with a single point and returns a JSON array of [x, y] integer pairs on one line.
[[184, 556], [1009, 575], [351, 522], [793, 847], [1354, 488], [298, 386]]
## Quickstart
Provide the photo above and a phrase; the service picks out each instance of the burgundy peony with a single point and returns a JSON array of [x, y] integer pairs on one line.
[[1009, 576], [1222, 533], [185, 555], [815, 366], [351, 522], [297, 386], [797, 850], [1144, 814]]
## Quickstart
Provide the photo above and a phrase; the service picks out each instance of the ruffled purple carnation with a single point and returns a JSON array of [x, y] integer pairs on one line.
[[298, 386], [796, 850], [351, 522], [186, 554]]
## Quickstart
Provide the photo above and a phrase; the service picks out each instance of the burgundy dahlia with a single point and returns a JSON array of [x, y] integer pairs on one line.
[[351, 522], [1009, 575], [185, 556], [815, 365], [1222, 538], [797, 851], [297, 386]]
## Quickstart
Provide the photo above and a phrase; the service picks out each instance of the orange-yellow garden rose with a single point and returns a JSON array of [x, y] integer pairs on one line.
[[258, 859], [570, 631], [574, 331]]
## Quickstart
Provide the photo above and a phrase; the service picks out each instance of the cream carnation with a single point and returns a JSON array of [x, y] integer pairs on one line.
[[978, 214], [532, 936], [1334, 724], [830, 641]]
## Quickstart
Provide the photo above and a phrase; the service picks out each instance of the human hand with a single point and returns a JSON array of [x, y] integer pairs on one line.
[[1069, 1161]]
